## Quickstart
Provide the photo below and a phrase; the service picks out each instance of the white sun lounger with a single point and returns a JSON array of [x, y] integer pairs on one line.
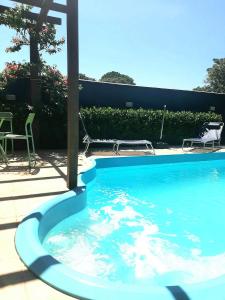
[[115, 142], [88, 140], [147, 143], [210, 135]]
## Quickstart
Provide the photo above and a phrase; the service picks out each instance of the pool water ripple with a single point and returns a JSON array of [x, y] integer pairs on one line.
[[155, 223]]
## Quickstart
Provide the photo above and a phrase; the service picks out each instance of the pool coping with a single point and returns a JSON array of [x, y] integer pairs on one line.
[[61, 277]]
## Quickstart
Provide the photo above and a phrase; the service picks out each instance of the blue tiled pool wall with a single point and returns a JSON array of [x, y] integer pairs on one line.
[[65, 205], [160, 159]]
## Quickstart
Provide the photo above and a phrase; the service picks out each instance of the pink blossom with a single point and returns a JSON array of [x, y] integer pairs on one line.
[[16, 40], [45, 29]]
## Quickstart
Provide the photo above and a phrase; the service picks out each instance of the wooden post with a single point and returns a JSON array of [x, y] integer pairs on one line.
[[73, 93], [34, 72], [35, 84]]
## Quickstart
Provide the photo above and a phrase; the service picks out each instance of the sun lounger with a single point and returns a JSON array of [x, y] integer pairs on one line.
[[115, 142], [210, 134], [147, 143], [88, 140]]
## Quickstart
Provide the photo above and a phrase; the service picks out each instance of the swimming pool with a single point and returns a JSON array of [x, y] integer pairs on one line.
[[141, 227]]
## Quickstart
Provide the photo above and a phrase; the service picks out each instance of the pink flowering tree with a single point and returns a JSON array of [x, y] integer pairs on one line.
[[24, 27], [52, 112], [45, 84], [53, 88]]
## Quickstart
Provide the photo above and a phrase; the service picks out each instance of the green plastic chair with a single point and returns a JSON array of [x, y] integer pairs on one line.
[[6, 117], [6, 126], [28, 137]]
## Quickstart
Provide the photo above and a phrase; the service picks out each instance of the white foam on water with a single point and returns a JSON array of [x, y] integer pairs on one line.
[[122, 199], [192, 237], [148, 255], [84, 258], [151, 256], [56, 239], [94, 214], [112, 220]]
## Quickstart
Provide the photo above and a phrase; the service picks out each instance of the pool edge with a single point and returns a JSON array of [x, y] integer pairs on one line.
[[43, 265]]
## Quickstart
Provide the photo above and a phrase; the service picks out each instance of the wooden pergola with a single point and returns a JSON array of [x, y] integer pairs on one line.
[[71, 11]]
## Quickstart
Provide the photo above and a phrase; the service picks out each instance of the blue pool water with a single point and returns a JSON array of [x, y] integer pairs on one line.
[[161, 224]]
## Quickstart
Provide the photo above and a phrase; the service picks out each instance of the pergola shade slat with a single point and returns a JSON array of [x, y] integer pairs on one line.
[[34, 16], [38, 3], [43, 14]]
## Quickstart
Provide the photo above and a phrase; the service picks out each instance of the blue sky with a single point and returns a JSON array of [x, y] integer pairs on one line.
[[159, 43]]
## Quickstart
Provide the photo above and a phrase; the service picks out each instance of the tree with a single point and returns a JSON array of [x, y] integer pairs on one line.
[[25, 28], [53, 88], [54, 92], [116, 77], [40, 37], [84, 77], [215, 81]]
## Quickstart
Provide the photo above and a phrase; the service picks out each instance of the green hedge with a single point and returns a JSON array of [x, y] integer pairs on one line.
[[106, 122]]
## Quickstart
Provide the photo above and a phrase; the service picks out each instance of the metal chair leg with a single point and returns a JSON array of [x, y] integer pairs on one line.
[[28, 151], [33, 150], [86, 148], [117, 149], [5, 159], [114, 148], [153, 150], [5, 144]]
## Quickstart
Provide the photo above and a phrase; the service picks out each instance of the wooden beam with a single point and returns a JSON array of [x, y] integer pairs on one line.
[[34, 16], [38, 3], [42, 18], [73, 94]]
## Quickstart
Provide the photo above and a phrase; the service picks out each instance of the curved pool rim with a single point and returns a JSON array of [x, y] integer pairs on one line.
[[36, 225]]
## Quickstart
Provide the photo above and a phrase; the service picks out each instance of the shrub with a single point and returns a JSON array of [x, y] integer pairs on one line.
[[109, 122], [52, 112]]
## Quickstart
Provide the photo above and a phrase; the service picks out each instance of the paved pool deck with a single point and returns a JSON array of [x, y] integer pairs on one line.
[[21, 191]]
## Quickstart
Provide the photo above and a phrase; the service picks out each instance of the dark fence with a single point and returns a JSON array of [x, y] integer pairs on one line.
[[101, 94], [119, 95], [107, 94]]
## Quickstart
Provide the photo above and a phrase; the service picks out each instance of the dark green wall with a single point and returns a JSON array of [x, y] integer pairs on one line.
[[116, 95]]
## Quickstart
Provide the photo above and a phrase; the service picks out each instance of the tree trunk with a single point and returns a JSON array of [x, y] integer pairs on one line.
[[35, 84]]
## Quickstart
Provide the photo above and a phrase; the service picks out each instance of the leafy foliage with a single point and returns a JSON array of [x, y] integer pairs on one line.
[[116, 77], [215, 81], [16, 19], [84, 77], [52, 113], [53, 83], [140, 123]]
